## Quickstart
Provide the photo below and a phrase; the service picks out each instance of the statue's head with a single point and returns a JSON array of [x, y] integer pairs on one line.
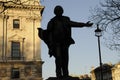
[[58, 11]]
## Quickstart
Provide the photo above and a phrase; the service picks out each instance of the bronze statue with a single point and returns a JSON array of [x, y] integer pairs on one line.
[[58, 38]]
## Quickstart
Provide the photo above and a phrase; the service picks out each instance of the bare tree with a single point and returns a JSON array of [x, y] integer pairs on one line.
[[108, 17]]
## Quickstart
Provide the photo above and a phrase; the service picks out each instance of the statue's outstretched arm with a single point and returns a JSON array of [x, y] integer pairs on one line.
[[80, 24]]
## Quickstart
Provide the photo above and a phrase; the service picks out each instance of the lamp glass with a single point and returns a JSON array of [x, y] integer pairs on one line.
[[98, 32]]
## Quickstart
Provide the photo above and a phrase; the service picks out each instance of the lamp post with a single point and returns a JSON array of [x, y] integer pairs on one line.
[[98, 33]]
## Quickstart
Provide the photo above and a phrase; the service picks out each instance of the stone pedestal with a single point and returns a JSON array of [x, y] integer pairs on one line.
[[68, 78]]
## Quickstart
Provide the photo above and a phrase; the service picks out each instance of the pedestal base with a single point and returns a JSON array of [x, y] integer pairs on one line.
[[68, 78]]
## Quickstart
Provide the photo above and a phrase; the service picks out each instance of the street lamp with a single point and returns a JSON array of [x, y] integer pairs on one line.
[[98, 33]]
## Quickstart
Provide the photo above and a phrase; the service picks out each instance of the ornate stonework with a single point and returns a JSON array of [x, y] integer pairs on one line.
[[20, 53]]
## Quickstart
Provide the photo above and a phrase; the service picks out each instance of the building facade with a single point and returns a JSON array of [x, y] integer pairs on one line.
[[85, 77], [82, 77], [109, 71], [20, 57], [116, 72]]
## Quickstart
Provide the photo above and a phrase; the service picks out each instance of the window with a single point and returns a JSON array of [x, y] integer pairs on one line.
[[15, 54], [16, 23], [15, 73], [16, 0]]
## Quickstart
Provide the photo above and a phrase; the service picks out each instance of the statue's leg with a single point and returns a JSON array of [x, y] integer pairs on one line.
[[58, 62], [65, 60]]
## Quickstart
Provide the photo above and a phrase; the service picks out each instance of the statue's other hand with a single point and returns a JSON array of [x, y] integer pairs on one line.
[[89, 24]]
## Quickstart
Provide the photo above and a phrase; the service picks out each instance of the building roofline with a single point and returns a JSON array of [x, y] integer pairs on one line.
[[20, 5], [38, 7]]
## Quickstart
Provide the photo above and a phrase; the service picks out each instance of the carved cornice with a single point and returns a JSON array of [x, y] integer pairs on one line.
[[20, 6], [38, 7]]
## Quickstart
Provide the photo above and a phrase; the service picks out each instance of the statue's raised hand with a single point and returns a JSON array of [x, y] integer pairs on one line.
[[89, 24]]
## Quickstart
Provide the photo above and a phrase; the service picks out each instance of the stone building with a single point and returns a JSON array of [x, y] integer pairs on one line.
[[116, 71], [110, 72], [85, 77], [106, 71], [20, 53]]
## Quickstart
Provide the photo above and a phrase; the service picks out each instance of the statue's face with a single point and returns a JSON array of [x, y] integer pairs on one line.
[[58, 11]]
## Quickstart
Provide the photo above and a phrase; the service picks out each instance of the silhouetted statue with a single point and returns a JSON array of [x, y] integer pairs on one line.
[[58, 38]]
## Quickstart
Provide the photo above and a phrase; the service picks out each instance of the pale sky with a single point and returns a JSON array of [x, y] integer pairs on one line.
[[84, 53]]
